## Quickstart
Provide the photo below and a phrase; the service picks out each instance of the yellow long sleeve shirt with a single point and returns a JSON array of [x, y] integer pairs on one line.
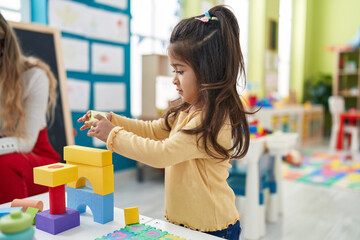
[[196, 192]]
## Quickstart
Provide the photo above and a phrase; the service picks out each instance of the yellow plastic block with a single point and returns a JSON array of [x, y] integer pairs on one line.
[[55, 174], [131, 215], [101, 178], [87, 156]]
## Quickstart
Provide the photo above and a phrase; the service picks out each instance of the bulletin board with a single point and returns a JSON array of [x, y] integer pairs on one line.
[[95, 38], [43, 42]]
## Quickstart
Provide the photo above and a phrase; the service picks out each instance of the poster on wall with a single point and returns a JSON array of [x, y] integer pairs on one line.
[[68, 16], [108, 26], [107, 59], [76, 54], [76, 18], [122, 4], [79, 94], [109, 96]]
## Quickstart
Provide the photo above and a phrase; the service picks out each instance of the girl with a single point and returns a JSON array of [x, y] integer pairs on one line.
[[27, 96], [193, 141]]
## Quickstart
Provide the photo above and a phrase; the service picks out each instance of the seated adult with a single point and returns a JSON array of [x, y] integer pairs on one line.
[[27, 100]]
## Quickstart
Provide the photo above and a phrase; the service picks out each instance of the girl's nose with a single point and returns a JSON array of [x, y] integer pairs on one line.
[[175, 80]]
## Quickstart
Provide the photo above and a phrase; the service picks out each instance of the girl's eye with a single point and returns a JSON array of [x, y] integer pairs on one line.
[[179, 72]]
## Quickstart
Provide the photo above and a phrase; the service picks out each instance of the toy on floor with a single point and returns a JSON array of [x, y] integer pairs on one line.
[[16, 225], [58, 218], [293, 158]]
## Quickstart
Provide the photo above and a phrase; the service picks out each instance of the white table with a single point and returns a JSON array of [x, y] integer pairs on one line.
[[89, 229]]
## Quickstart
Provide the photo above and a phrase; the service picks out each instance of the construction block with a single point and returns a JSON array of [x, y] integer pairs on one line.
[[32, 211], [16, 221], [56, 174], [55, 224], [6, 211], [87, 156], [101, 178], [25, 203], [28, 234], [131, 215], [57, 199], [102, 206]]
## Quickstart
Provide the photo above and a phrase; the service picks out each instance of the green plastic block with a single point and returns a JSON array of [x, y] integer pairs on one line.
[[94, 113], [16, 221], [32, 211]]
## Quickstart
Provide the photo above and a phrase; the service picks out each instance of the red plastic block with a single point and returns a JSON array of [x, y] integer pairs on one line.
[[57, 199]]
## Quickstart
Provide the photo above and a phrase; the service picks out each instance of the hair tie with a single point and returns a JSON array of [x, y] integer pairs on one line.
[[207, 17]]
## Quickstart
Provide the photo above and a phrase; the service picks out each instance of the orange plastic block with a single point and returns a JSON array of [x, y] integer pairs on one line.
[[131, 215], [88, 156], [56, 174]]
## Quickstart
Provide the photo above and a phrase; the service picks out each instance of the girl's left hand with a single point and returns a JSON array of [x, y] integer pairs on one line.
[[101, 129]]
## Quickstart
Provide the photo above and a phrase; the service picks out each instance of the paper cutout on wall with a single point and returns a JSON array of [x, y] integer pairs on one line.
[[68, 16], [76, 54], [107, 59], [109, 96], [91, 22], [79, 94], [114, 3], [108, 26]]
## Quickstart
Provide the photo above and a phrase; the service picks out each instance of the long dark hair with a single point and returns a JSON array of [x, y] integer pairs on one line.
[[213, 50]]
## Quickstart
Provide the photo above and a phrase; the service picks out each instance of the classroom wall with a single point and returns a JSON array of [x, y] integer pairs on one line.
[[261, 12], [318, 24], [40, 15]]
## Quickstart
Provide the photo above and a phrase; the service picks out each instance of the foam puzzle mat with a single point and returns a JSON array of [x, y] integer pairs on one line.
[[325, 169], [140, 232]]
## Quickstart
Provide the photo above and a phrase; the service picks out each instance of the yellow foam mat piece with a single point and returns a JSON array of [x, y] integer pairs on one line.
[[56, 174], [101, 178], [87, 155]]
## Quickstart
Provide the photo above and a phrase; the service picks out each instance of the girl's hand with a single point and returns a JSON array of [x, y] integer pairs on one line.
[[84, 118], [101, 129], [87, 116]]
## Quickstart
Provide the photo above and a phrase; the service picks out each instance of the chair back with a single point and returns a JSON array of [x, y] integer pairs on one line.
[[336, 106]]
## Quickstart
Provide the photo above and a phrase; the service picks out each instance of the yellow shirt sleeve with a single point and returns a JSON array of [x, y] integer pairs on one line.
[[155, 129], [178, 147]]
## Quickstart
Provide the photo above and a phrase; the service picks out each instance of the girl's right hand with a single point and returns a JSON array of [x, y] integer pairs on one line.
[[87, 116]]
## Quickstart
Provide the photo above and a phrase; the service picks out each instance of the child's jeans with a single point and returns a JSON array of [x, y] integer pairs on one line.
[[230, 233]]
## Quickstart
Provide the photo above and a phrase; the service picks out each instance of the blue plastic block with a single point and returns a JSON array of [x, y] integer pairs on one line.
[[58, 223], [28, 234], [102, 206], [6, 211]]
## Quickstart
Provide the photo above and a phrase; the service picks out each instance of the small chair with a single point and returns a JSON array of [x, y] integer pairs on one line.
[[337, 106]]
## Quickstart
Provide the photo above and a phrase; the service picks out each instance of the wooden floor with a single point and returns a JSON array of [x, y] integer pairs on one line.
[[310, 212]]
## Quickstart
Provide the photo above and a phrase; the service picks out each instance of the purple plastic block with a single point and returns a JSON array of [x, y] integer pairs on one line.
[[55, 224]]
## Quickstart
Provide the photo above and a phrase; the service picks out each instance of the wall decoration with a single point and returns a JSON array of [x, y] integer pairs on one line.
[[76, 54], [79, 94], [109, 96], [107, 59]]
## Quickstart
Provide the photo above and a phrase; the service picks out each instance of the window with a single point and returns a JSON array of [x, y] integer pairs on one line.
[[151, 27], [285, 22], [15, 10]]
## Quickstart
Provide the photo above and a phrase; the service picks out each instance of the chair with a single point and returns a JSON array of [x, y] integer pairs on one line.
[[337, 106]]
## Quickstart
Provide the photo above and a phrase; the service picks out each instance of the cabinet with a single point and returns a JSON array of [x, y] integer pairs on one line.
[[306, 121], [153, 66], [346, 80]]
